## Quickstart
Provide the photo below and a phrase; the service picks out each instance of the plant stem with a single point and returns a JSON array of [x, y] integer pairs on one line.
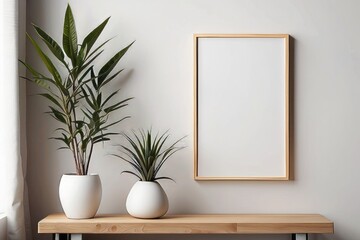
[[71, 133], [89, 157]]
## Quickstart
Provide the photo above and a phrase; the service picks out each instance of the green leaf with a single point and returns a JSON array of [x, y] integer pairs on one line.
[[64, 139], [52, 99], [69, 83], [90, 61], [133, 155], [81, 79], [99, 100], [91, 38], [140, 143], [109, 66], [160, 142], [163, 160], [137, 154], [101, 140], [109, 97], [46, 60], [58, 115], [93, 98], [93, 78], [97, 49], [116, 106], [133, 164], [114, 123], [102, 136], [132, 173], [111, 78], [113, 108], [167, 178], [33, 71], [51, 43], [62, 129], [63, 148], [88, 100], [70, 43], [150, 175], [39, 82]]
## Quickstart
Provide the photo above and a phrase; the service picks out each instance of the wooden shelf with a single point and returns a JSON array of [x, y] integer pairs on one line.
[[189, 224]]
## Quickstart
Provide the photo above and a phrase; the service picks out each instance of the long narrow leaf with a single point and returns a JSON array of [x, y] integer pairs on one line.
[[97, 49], [70, 43], [111, 78], [139, 161], [52, 99], [86, 64], [131, 174], [167, 178], [166, 158], [40, 83], [114, 108], [101, 140], [137, 154], [46, 60], [109, 97], [33, 71], [133, 164], [58, 115], [51, 43], [114, 123], [176, 142], [91, 38], [83, 76], [62, 129], [109, 66]]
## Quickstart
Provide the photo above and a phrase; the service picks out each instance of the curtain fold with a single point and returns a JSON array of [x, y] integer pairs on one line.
[[13, 158]]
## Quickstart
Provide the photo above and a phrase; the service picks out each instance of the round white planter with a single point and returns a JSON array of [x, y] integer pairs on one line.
[[80, 195], [147, 200]]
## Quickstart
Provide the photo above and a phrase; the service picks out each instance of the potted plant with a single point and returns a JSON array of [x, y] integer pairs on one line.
[[78, 100], [147, 153]]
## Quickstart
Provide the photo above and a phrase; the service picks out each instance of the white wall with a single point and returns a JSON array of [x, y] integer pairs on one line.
[[159, 73]]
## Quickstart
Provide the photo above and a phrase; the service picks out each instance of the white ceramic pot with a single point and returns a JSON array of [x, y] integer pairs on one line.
[[147, 200], [80, 195]]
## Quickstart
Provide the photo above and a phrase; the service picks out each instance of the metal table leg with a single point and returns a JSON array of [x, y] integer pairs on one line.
[[299, 236], [65, 236]]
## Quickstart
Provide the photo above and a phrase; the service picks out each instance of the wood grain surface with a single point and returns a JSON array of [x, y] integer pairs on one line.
[[189, 224]]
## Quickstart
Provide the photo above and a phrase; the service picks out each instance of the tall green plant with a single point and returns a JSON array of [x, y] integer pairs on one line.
[[76, 91], [147, 154]]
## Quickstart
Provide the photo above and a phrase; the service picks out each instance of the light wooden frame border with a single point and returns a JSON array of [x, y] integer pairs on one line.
[[286, 38]]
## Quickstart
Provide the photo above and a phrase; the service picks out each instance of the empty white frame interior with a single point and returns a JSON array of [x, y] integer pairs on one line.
[[241, 107]]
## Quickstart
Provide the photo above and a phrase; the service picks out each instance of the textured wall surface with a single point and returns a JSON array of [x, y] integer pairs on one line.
[[159, 74]]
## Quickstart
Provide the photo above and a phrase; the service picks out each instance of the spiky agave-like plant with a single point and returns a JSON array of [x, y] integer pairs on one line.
[[77, 97], [147, 153]]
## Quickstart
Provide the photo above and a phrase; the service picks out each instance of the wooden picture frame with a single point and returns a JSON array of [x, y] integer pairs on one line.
[[241, 107]]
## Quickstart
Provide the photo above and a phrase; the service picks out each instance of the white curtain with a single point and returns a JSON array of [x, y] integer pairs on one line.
[[12, 138]]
